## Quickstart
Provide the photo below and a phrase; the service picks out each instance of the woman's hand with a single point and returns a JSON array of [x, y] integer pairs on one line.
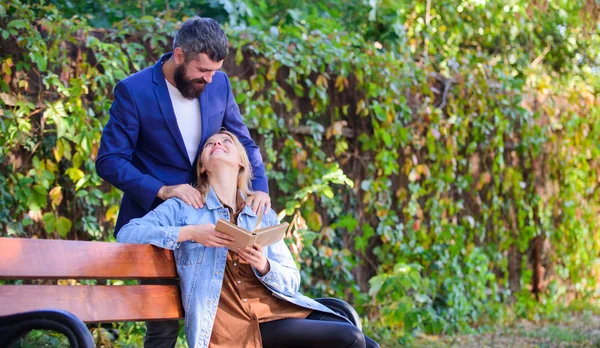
[[205, 234], [254, 256], [259, 200]]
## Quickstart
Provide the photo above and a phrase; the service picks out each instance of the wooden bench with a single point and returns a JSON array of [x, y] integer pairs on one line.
[[28, 259]]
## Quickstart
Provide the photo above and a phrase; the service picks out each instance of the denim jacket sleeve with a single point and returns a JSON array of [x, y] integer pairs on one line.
[[283, 276], [159, 227]]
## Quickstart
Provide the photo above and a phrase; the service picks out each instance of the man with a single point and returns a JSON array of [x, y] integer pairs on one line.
[[159, 121]]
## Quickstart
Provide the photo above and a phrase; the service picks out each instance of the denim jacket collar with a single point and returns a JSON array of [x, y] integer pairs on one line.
[[212, 202]]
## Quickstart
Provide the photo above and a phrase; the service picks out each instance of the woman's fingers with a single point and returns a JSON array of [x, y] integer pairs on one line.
[[224, 236], [246, 255]]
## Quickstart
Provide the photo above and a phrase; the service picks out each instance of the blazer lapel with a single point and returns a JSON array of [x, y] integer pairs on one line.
[[166, 106]]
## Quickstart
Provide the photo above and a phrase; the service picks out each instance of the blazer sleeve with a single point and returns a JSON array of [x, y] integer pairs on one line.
[[118, 142], [232, 121]]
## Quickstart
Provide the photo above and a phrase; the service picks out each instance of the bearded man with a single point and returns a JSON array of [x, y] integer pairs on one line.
[[159, 121]]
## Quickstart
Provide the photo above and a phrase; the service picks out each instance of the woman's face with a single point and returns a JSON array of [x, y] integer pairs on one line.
[[220, 150]]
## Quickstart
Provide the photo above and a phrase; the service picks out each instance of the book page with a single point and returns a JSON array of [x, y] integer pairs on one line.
[[242, 236], [270, 235]]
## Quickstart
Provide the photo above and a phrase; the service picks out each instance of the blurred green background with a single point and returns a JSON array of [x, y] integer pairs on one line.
[[439, 160]]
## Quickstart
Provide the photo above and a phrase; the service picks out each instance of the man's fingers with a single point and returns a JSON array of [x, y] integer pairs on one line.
[[197, 200], [190, 201], [193, 195], [185, 199], [255, 204]]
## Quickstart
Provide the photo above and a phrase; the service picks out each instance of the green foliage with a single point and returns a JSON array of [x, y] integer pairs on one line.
[[42, 339], [434, 161]]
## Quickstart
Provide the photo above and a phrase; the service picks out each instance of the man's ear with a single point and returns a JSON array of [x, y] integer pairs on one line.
[[178, 56]]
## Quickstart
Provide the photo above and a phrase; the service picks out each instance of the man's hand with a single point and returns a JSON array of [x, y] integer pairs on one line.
[[259, 200], [254, 256], [185, 192], [205, 234]]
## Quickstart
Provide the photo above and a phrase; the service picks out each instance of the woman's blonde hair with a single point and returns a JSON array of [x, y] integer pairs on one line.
[[244, 176]]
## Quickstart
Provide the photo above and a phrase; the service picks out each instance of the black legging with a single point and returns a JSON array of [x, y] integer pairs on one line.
[[319, 329]]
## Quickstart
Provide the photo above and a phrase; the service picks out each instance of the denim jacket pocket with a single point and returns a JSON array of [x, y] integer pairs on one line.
[[189, 253]]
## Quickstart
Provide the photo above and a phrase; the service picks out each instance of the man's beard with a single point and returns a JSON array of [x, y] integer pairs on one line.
[[189, 89]]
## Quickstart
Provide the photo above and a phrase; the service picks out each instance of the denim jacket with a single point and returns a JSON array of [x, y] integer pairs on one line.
[[201, 268]]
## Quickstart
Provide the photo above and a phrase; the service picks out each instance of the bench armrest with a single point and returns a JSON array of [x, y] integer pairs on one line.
[[14, 326], [343, 308]]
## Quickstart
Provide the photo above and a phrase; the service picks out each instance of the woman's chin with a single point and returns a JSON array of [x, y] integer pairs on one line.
[[221, 160]]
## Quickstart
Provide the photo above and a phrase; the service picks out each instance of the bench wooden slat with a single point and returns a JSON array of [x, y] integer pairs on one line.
[[22, 258], [95, 304]]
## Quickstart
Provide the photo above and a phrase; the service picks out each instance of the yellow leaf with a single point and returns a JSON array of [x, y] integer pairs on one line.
[[111, 213], [23, 84], [382, 213], [56, 196], [340, 83], [322, 81], [314, 222]]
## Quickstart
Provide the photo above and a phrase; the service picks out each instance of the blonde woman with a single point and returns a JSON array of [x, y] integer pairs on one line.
[[239, 298]]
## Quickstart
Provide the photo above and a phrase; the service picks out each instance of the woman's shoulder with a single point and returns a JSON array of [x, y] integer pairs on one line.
[[177, 204], [270, 217]]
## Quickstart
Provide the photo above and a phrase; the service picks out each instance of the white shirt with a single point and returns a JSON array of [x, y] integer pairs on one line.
[[187, 113]]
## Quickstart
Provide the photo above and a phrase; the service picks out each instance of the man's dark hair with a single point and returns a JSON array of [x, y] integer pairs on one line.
[[202, 35]]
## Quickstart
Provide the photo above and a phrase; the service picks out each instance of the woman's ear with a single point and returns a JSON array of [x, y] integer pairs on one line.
[[202, 170]]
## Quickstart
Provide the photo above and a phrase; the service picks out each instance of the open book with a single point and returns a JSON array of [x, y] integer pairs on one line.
[[244, 238]]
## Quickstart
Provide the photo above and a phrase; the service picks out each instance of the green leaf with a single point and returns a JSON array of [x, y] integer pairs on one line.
[[49, 221], [327, 192], [75, 174], [41, 190], [240, 98], [411, 320], [376, 283], [379, 112], [63, 226], [17, 24], [347, 221], [422, 298]]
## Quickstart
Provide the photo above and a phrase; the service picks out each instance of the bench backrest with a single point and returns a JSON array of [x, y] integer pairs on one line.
[[60, 259]]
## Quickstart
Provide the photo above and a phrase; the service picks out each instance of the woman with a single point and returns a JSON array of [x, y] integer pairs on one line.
[[236, 298]]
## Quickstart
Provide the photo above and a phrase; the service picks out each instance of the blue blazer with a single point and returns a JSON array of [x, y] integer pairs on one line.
[[142, 148]]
